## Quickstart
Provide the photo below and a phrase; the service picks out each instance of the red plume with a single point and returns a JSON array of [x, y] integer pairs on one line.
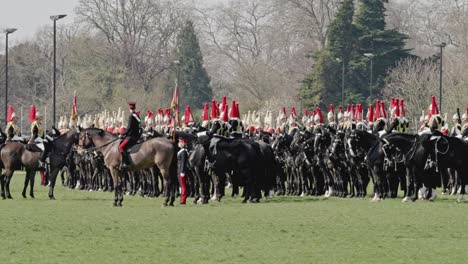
[[214, 112], [434, 109], [370, 113], [205, 112], [382, 106], [232, 114], [237, 110], [402, 108], [10, 113], [225, 114], [340, 109], [188, 118], [397, 108], [378, 111], [331, 109], [32, 113], [306, 112], [319, 112]]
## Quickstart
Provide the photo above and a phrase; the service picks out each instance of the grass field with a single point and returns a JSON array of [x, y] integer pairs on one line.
[[82, 227]]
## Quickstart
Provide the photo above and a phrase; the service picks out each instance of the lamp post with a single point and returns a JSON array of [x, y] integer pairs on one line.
[[342, 78], [371, 57], [55, 18], [7, 32], [441, 46]]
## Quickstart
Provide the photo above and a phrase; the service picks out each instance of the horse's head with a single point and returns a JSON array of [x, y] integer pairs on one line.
[[86, 137]]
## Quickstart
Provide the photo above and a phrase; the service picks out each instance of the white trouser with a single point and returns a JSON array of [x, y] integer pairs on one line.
[[17, 138]]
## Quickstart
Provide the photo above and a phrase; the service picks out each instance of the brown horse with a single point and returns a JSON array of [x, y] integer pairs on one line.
[[156, 152], [15, 155]]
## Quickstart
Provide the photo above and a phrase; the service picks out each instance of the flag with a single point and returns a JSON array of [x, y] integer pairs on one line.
[[175, 106], [175, 99], [74, 115]]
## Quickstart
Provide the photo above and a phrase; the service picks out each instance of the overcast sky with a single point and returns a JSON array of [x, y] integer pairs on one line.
[[30, 15]]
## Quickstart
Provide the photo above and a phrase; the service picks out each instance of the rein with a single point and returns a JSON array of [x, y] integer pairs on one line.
[[96, 148]]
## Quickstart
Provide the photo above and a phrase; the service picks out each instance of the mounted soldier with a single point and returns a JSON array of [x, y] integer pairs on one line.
[[131, 135], [38, 135], [318, 120], [464, 129], [331, 118], [456, 121], [396, 124], [12, 130], [380, 119], [341, 118], [359, 117], [436, 121]]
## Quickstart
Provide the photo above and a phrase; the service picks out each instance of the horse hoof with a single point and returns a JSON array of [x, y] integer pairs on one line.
[[51, 197], [24, 195], [32, 196], [9, 197], [114, 205]]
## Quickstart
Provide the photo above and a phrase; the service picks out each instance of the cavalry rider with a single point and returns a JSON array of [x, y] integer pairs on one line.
[[183, 167], [292, 120], [380, 118], [340, 117], [396, 124], [403, 120], [436, 121], [359, 117], [331, 119], [12, 130], [131, 135], [464, 129], [456, 120], [319, 122], [38, 135]]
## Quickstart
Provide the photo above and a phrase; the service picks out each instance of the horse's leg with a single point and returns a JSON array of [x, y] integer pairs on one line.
[[32, 179], [166, 186], [116, 181], [52, 181], [8, 176], [26, 182], [2, 183]]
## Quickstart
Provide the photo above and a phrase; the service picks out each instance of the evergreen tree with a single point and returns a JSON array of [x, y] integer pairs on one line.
[[386, 45], [325, 79], [194, 82], [349, 38]]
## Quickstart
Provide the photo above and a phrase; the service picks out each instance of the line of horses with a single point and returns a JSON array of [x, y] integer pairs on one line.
[[303, 162]]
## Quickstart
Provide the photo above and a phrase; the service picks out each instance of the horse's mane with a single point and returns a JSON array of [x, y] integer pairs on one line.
[[100, 131]]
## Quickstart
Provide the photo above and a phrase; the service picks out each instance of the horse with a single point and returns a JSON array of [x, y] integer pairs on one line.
[[359, 144], [395, 147], [159, 152], [15, 155], [451, 152]]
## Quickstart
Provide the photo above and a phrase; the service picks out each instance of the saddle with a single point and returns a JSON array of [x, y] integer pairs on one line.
[[135, 148], [33, 148]]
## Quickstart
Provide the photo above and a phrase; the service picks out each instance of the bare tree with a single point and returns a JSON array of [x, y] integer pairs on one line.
[[141, 31]]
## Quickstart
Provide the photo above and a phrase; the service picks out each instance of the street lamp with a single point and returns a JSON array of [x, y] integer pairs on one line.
[[7, 32], [371, 57], [55, 18], [342, 78], [441, 46]]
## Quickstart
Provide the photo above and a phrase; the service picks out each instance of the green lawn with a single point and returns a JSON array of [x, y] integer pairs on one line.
[[82, 227]]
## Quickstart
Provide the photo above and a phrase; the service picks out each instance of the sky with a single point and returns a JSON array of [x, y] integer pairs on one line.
[[30, 15]]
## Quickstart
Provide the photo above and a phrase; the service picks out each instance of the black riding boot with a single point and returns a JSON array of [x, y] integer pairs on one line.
[[42, 161], [125, 163]]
